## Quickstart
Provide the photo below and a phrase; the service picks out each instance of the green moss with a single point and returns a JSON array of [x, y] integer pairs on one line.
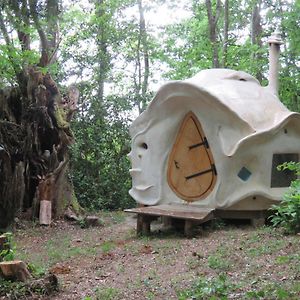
[[60, 115], [75, 205]]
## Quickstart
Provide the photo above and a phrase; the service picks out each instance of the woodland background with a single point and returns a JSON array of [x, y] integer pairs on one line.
[[117, 53]]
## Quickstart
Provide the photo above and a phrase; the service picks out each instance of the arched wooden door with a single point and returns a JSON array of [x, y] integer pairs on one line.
[[191, 169]]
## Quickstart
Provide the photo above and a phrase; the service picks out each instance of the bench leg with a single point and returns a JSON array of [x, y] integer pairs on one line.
[[139, 224], [188, 227], [258, 222], [143, 225], [167, 221]]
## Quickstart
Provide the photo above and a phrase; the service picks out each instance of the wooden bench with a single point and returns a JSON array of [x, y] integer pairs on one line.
[[191, 216]]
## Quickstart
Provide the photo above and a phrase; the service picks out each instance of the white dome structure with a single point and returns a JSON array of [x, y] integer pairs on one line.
[[213, 143], [220, 122]]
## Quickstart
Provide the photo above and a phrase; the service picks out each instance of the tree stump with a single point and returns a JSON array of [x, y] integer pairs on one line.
[[15, 270], [92, 221], [70, 215], [45, 212]]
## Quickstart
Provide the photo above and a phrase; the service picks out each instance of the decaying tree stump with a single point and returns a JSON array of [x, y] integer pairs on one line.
[[15, 270], [34, 114], [34, 139]]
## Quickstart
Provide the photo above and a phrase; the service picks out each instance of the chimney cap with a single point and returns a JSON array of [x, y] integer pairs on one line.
[[275, 38]]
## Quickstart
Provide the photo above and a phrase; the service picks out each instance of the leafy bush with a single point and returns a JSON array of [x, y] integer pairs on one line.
[[8, 253], [287, 213], [100, 168], [213, 288]]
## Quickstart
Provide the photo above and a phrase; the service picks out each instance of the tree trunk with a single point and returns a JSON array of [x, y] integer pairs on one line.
[[212, 27], [289, 60], [34, 139], [144, 43], [226, 28], [142, 69], [103, 57], [34, 117], [256, 33]]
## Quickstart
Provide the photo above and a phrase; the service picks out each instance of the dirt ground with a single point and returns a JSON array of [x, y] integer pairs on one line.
[[111, 262]]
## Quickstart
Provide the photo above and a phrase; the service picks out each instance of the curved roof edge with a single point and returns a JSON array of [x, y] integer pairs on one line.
[[270, 131]]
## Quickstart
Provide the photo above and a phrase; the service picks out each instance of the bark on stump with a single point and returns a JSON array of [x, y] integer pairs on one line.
[[15, 270], [92, 221]]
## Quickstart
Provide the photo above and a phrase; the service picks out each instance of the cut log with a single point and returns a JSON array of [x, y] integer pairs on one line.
[[92, 221], [70, 215], [45, 212], [15, 270]]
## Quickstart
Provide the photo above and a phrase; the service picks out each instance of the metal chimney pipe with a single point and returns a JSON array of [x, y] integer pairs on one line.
[[274, 42]]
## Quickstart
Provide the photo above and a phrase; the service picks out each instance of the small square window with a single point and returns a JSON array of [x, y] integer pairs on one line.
[[244, 174], [283, 178]]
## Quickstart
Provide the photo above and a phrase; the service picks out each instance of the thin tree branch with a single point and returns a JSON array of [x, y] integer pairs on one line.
[[143, 35], [4, 30], [218, 12], [41, 32], [21, 78], [20, 21]]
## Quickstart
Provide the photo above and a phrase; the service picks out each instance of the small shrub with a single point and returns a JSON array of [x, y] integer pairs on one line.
[[82, 223], [107, 293], [108, 246], [271, 292], [218, 263], [12, 290], [212, 288], [9, 252], [287, 213], [36, 270]]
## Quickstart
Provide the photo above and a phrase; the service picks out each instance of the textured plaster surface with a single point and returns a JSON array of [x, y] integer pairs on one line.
[[244, 123]]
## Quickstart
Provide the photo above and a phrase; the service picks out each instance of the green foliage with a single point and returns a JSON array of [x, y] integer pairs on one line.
[[20, 290], [36, 270], [101, 45], [99, 159], [82, 223], [208, 288], [287, 213], [9, 252], [271, 292], [218, 263], [108, 246], [108, 293], [12, 290]]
